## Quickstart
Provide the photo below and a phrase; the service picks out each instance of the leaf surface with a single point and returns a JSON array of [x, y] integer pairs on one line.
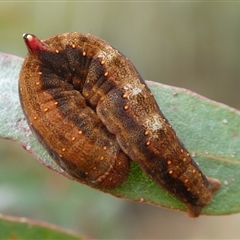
[[22, 228]]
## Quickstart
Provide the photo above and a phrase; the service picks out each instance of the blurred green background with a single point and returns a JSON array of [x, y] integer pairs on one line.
[[194, 45]]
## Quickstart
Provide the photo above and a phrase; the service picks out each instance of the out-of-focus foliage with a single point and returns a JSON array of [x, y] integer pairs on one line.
[[192, 45]]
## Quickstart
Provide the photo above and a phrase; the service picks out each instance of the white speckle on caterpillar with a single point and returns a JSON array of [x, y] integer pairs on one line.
[[108, 54], [133, 89], [153, 123]]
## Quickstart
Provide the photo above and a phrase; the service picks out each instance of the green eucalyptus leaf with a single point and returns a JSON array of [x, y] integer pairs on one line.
[[209, 130], [22, 228]]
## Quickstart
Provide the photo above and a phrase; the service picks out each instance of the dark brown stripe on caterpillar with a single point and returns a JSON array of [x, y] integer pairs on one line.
[[93, 112], [69, 129]]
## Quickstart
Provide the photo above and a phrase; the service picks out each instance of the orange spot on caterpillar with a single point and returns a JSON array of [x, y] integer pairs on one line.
[[125, 95], [148, 143], [146, 133]]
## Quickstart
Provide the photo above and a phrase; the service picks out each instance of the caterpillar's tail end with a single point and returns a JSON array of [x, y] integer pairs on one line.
[[214, 184], [195, 210]]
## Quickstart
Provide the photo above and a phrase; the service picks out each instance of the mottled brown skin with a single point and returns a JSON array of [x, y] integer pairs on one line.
[[100, 93], [63, 122]]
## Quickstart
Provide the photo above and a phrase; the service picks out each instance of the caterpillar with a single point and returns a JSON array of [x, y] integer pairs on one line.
[[92, 111]]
